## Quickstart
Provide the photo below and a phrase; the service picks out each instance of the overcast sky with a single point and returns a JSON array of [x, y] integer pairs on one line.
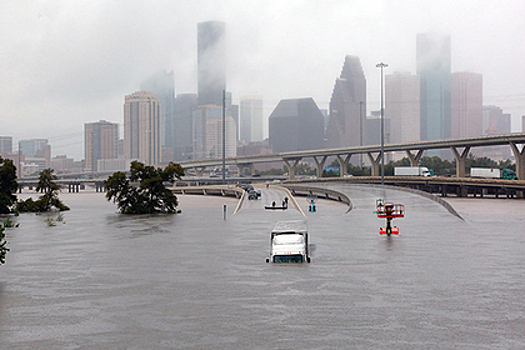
[[64, 63]]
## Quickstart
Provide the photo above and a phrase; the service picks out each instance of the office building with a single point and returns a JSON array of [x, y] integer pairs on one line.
[[433, 56], [211, 52], [31, 147], [100, 142], [6, 144], [296, 125], [347, 106], [251, 119], [402, 106], [163, 87], [495, 122], [183, 145], [466, 104], [142, 128], [208, 130]]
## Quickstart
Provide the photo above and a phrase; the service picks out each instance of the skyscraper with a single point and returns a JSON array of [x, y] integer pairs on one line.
[[6, 144], [31, 147], [402, 106], [162, 86], [100, 142], [296, 125], [251, 119], [348, 106], [211, 52], [184, 106], [433, 66], [207, 133], [142, 127], [466, 104]]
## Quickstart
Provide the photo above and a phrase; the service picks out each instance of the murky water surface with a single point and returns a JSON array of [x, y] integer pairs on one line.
[[99, 280]]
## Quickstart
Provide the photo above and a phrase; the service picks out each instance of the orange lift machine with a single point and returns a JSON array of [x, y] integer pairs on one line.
[[389, 211]]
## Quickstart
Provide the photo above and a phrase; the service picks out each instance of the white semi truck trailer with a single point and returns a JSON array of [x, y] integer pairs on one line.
[[289, 242]]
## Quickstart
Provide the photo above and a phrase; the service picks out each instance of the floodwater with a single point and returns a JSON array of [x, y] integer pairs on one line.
[[100, 280]]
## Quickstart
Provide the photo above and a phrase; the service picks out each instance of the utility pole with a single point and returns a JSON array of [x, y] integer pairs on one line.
[[224, 136], [382, 65]]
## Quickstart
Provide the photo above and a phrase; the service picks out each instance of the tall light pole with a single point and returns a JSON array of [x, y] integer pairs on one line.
[[223, 136], [361, 103], [382, 65]]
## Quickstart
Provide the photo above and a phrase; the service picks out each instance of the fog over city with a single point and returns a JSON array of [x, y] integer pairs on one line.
[[65, 63]]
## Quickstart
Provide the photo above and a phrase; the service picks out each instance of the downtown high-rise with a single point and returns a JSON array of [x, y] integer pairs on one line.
[[211, 56], [100, 143], [466, 104], [251, 119], [142, 128], [348, 106], [433, 56]]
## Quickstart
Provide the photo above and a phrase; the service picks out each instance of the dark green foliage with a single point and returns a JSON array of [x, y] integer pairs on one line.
[[8, 185], [150, 195], [3, 244], [49, 198]]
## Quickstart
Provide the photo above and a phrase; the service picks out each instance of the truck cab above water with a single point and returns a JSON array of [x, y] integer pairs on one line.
[[289, 243]]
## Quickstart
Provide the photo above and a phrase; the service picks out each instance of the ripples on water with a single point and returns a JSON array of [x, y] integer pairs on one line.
[[196, 281]]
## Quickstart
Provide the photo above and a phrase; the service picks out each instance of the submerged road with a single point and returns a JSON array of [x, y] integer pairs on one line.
[[197, 281]]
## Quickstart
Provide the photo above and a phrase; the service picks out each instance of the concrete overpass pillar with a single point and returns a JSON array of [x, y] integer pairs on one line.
[[320, 165], [375, 163], [343, 163], [414, 159], [199, 170], [246, 167], [291, 167], [520, 160], [460, 160]]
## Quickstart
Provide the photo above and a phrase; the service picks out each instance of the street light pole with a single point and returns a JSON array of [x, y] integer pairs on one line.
[[361, 103], [382, 65], [223, 136]]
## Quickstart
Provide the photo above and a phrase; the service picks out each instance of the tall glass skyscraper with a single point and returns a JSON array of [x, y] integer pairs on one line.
[[433, 66], [211, 52]]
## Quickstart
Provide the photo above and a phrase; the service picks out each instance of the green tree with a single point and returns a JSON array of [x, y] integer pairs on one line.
[[8, 185], [144, 192], [48, 199], [3, 244]]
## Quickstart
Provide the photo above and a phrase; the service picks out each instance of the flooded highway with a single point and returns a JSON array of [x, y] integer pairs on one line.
[[100, 280]]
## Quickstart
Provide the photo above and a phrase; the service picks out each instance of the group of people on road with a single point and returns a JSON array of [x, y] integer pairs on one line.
[[284, 203]]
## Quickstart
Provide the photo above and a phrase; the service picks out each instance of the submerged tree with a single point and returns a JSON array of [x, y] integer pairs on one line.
[[8, 185], [48, 199], [150, 194], [3, 244]]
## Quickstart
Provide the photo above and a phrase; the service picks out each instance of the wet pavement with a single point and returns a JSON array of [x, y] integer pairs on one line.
[[196, 281]]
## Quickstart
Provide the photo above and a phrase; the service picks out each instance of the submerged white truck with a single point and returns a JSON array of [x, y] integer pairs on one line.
[[289, 242]]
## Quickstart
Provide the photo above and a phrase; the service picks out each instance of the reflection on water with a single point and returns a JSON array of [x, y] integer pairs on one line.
[[194, 280]]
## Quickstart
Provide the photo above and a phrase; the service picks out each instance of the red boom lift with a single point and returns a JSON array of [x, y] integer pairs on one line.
[[389, 211]]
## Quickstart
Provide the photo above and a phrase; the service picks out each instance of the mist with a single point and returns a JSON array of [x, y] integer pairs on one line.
[[66, 63]]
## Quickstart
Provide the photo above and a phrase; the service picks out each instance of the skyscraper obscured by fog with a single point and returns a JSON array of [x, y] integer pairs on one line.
[[433, 56], [466, 104], [211, 52], [347, 106], [142, 128], [163, 87], [251, 119], [183, 145], [100, 142], [495, 122], [402, 106], [296, 125], [6, 144]]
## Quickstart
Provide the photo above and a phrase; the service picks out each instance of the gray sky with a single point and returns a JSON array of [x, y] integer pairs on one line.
[[64, 63]]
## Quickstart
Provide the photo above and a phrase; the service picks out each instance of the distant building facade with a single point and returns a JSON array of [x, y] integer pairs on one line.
[[495, 122], [31, 147], [142, 127], [211, 56], [296, 125], [402, 106], [347, 106], [100, 142], [251, 119], [466, 104], [208, 130], [184, 107], [162, 86], [433, 58], [6, 144]]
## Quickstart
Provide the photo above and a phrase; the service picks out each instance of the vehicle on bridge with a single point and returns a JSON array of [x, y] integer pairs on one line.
[[389, 211], [493, 173], [412, 171], [289, 243]]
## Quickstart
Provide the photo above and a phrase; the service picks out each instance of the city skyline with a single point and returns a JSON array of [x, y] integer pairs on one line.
[[63, 68]]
